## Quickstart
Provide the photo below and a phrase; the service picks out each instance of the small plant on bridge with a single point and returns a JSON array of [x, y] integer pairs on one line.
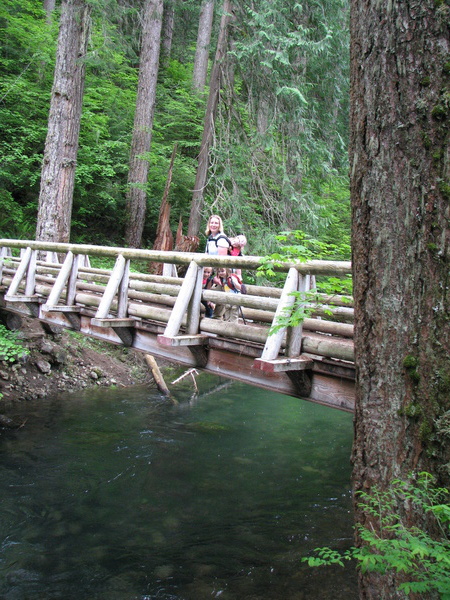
[[297, 247], [393, 545]]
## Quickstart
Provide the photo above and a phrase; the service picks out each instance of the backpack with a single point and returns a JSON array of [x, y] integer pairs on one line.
[[216, 239], [230, 283]]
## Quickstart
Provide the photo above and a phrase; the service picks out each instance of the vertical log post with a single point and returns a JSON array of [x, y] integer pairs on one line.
[[122, 303], [19, 274], [274, 341], [294, 334], [60, 283], [182, 301], [4, 253], [193, 310], [31, 274], [72, 284], [111, 288]]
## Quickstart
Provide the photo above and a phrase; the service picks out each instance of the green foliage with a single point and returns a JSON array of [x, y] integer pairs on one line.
[[261, 180], [391, 543], [26, 72], [281, 132], [10, 347], [297, 247]]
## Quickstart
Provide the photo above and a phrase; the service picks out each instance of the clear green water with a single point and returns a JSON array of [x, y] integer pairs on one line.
[[121, 495]]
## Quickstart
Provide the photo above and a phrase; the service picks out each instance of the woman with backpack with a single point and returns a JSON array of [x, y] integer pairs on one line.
[[217, 242]]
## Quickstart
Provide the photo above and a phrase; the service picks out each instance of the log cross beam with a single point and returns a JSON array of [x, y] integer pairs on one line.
[[188, 299], [27, 268], [117, 284], [292, 361]]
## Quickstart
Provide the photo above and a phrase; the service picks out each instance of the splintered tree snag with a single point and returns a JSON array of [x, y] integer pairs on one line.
[[179, 233], [164, 236], [185, 243]]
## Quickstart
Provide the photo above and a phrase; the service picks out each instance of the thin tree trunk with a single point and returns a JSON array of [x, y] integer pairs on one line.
[[401, 257], [202, 47], [61, 146], [167, 31], [49, 7], [143, 122], [208, 128]]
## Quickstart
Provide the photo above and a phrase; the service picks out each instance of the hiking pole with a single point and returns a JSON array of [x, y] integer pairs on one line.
[[242, 315]]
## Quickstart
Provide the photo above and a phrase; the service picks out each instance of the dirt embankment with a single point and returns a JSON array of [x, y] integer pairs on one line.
[[63, 360]]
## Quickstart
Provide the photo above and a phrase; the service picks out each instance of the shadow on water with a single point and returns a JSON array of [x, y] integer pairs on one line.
[[121, 495]]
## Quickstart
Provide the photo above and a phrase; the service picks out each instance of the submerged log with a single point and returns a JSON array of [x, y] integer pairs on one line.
[[157, 375]]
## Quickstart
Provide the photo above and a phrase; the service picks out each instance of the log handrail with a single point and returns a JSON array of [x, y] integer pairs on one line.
[[312, 267]]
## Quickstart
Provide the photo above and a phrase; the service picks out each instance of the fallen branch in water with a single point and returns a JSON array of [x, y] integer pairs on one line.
[[192, 373]]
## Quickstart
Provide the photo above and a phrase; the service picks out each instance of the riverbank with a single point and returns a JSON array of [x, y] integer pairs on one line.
[[60, 360]]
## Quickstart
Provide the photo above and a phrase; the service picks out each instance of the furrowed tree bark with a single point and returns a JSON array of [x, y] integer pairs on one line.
[[61, 145], [167, 31], [164, 236], [208, 128], [399, 162], [49, 7], [202, 47], [143, 122]]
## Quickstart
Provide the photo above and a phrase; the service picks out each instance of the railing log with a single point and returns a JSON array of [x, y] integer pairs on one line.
[[316, 267]]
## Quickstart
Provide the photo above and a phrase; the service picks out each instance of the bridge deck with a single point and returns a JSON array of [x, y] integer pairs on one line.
[[162, 315]]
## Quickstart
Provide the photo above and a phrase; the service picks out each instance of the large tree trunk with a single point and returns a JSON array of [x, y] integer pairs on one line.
[[61, 145], [143, 122], [208, 128], [399, 161], [202, 47]]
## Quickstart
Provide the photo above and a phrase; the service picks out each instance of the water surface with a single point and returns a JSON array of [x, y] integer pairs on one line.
[[122, 495]]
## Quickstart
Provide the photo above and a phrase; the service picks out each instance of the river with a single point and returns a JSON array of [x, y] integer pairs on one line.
[[123, 495]]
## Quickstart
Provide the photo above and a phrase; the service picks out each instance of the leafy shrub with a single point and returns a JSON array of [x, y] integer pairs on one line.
[[395, 546], [10, 347]]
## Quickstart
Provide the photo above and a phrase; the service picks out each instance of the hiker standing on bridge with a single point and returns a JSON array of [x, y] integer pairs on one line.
[[226, 281], [217, 242]]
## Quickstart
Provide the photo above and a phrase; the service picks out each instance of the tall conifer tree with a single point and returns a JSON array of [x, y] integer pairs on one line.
[[401, 252], [61, 146], [143, 121]]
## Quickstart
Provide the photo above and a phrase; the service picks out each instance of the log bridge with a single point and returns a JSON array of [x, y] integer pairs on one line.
[[162, 315]]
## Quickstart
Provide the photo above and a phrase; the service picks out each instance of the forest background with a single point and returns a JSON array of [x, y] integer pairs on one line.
[[278, 159]]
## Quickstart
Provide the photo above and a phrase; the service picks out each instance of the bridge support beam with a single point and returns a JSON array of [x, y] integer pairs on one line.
[[298, 363]]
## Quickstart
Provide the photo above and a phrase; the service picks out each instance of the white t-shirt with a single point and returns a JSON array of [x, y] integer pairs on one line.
[[213, 248]]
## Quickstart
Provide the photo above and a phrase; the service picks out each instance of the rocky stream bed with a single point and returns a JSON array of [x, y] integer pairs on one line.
[[60, 360]]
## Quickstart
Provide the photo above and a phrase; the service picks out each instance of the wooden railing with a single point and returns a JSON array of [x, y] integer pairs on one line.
[[127, 301]]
